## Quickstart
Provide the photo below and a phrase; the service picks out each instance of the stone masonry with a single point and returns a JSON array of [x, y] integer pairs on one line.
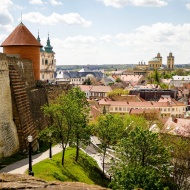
[[9, 142]]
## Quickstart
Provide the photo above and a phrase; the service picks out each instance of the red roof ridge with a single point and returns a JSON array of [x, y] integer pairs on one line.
[[21, 36]]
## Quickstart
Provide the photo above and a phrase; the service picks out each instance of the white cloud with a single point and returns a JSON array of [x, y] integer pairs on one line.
[[6, 28], [80, 40], [55, 18], [36, 2], [143, 3], [146, 41], [55, 2], [140, 45], [159, 34], [188, 6], [5, 16], [106, 38]]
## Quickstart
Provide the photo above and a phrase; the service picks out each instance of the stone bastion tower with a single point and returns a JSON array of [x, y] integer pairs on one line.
[[21, 58], [22, 44]]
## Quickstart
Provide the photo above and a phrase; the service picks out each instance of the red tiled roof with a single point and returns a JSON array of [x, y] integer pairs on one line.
[[139, 104], [21, 36], [101, 89], [131, 104], [141, 111], [177, 127], [85, 87]]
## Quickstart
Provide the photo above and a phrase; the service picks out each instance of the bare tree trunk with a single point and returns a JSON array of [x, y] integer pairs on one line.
[[63, 156]]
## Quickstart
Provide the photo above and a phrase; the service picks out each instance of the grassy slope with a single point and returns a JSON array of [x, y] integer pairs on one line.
[[85, 170]]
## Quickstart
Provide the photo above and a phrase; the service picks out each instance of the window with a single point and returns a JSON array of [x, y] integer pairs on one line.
[[42, 61], [120, 109], [115, 108], [46, 62], [173, 109], [42, 76], [124, 109]]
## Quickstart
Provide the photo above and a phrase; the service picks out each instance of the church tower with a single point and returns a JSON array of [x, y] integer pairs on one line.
[[22, 44], [159, 58], [47, 62], [170, 61]]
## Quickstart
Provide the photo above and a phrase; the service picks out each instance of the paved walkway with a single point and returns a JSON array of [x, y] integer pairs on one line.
[[21, 166]]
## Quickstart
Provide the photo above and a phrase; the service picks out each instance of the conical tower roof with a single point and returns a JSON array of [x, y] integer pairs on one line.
[[21, 36]]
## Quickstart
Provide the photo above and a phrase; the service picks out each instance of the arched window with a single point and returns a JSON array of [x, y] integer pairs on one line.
[[42, 61]]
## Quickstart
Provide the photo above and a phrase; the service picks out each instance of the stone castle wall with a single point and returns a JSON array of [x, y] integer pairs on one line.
[[9, 142], [20, 104]]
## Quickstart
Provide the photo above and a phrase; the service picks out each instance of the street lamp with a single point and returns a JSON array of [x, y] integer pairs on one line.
[[50, 144], [30, 139]]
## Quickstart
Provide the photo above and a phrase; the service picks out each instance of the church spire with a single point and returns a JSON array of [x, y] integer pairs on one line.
[[39, 40], [48, 47]]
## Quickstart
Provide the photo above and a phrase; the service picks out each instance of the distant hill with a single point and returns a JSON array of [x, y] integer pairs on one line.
[[107, 67], [183, 65], [94, 67]]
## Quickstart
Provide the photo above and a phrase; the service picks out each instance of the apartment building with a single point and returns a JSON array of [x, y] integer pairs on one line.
[[167, 109]]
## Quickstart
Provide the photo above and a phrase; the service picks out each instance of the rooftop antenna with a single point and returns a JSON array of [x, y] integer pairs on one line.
[[21, 17]]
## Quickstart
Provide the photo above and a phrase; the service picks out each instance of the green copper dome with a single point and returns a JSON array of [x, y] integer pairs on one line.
[[48, 48]]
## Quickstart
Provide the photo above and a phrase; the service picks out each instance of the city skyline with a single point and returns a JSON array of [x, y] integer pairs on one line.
[[104, 31]]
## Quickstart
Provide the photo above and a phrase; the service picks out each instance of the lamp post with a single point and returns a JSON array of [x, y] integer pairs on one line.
[[30, 139], [50, 144]]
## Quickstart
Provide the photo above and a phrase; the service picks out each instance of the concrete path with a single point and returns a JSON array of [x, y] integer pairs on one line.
[[21, 166]]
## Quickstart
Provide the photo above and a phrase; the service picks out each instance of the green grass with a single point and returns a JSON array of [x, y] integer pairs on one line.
[[85, 170]]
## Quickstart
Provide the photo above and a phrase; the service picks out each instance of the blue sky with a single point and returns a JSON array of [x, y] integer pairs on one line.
[[104, 31]]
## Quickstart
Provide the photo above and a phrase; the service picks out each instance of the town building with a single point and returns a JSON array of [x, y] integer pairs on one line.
[[77, 77], [167, 108], [155, 64], [47, 62], [153, 94], [95, 92]]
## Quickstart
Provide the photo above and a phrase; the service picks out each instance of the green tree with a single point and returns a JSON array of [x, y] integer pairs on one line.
[[164, 86], [155, 77], [118, 80], [87, 81], [117, 92], [142, 162], [180, 72], [60, 123], [167, 75], [81, 131], [180, 160], [109, 129]]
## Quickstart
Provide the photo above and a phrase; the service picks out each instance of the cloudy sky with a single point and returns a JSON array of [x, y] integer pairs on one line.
[[104, 31]]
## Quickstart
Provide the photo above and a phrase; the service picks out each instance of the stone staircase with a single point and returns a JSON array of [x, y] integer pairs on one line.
[[21, 110]]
